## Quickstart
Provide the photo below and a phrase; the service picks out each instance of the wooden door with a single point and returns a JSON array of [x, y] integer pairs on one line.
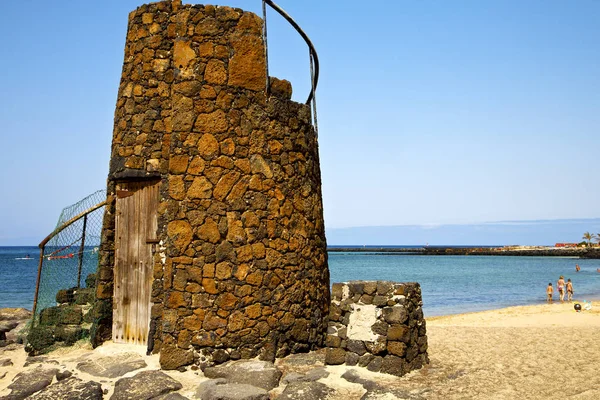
[[135, 234]]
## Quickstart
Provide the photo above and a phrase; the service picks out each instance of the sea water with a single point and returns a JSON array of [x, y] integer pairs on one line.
[[449, 284], [458, 284], [18, 276], [19, 269]]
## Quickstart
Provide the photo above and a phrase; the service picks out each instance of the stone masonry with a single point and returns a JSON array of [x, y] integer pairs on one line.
[[378, 325], [65, 323], [241, 267]]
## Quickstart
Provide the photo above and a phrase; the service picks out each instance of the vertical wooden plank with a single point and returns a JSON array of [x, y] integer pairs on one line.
[[116, 327], [121, 257], [125, 240], [133, 263], [136, 221], [126, 248], [152, 234], [142, 307], [141, 243]]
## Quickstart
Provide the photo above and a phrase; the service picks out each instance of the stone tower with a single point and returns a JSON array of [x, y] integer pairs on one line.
[[213, 244]]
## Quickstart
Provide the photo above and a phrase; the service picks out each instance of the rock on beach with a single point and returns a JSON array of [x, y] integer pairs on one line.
[[517, 352]]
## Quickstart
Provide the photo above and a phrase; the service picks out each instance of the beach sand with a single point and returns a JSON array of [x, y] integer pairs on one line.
[[544, 351], [531, 352]]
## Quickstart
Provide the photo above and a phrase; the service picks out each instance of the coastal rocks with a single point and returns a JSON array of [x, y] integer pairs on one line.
[[45, 361], [311, 376], [378, 325], [220, 389], [304, 367], [70, 389], [257, 373], [305, 391], [14, 314], [253, 379], [112, 366], [5, 362], [6, 326], [145, 385], [28, 382], [12, 323], [304, 377], [376, 391], [170, 396]]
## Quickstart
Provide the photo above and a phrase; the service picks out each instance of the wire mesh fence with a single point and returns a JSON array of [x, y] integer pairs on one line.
[[70, 254]]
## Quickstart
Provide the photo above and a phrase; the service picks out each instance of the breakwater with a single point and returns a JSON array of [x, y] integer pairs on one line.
[[581, 252]]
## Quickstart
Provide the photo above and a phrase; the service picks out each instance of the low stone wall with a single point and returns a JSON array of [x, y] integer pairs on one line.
[[378, 325], [67, 322]]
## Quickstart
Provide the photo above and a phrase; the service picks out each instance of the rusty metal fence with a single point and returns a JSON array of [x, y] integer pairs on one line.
[[69, 255]]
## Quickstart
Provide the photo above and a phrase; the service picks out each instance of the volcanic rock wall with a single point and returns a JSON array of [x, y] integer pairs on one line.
[[241, 267], [378, 325]]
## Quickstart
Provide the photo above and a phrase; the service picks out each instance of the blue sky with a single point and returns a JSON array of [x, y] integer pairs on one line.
[[430, 112]]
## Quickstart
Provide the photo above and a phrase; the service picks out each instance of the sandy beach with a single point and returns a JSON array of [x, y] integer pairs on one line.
[[528, 352], [544, 351], [533, 352]]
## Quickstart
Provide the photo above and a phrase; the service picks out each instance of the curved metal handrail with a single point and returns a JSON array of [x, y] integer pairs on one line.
[[313, 52]]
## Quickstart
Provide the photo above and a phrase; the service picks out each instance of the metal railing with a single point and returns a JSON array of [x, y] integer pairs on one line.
[[314, 59]]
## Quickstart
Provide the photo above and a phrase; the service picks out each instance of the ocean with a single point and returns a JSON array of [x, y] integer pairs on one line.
[[449, 284]]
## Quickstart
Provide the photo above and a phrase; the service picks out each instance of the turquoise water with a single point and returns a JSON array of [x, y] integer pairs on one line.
[[450, 284], [457, 284]]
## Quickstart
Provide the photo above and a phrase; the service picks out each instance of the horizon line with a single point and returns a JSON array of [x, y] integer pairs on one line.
[[437, 225]]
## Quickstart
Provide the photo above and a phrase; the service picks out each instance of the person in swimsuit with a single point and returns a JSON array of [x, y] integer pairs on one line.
[[569, 290], [560, 285], [549, 291], [577, 268]]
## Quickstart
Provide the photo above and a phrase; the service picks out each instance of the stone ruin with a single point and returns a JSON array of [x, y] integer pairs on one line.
[[213, 244], [67, 322], [378, 325]]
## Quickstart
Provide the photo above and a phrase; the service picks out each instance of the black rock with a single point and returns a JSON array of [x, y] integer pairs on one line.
[[145, 385], [219, 389], [306, 391], [70, 389], [63, 375], [28, 382], [262, 374], [112, 366]]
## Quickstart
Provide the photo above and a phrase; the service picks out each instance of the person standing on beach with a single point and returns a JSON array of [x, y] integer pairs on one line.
[[549, 291], [560, 285], [569, 290]]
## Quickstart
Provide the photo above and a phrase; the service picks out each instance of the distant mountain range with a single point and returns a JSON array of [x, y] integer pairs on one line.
[[540, 232]]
